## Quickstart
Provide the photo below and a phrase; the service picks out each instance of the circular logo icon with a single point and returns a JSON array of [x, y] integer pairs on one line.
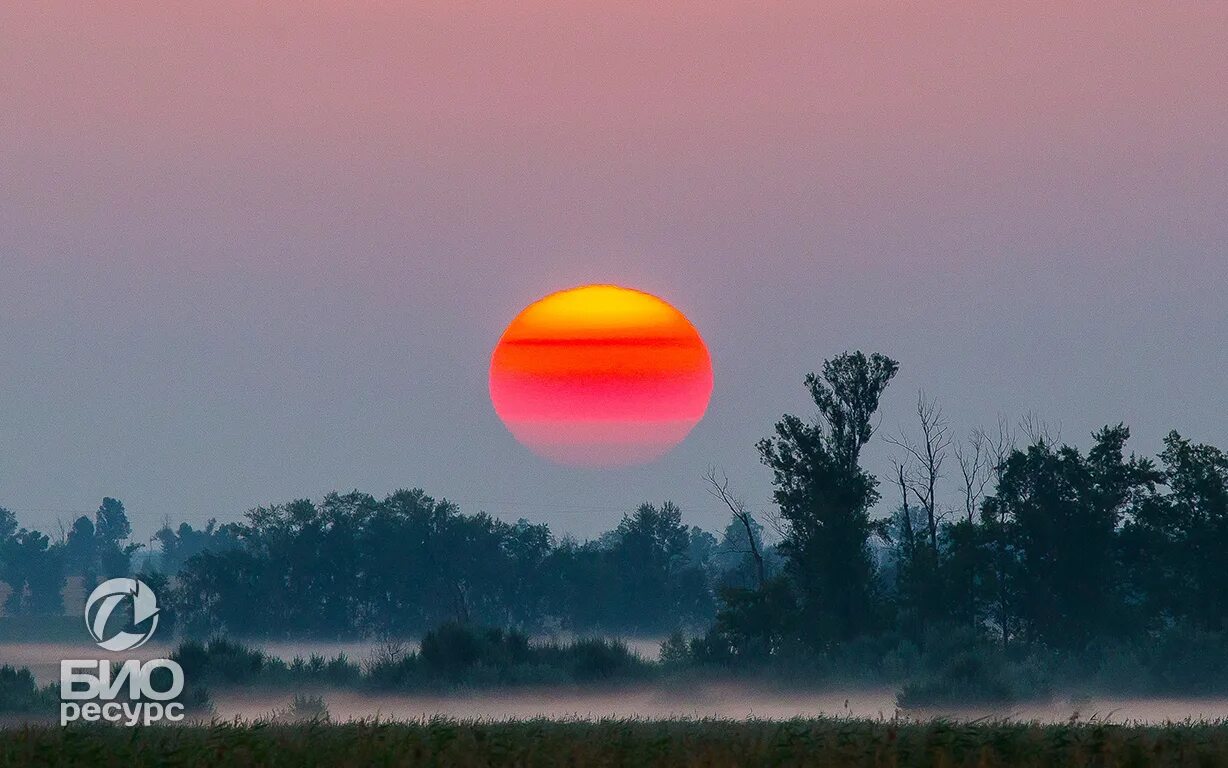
[[108, 596]]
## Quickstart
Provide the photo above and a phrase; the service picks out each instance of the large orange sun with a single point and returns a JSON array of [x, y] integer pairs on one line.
[[600, 376]]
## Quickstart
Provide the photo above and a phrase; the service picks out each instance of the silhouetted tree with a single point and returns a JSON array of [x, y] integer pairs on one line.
[[1176, 545], [825, 496], [98, 549], [32, 569], [409, 562], [1046, 546], [1061, 511], [921, 580], [178, 545], [653, 567]]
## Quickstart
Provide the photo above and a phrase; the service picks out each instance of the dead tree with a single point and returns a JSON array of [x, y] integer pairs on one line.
[[719, 488], [901, 473], [1039, 431], [998, 449], [974, 459], [927, 458]]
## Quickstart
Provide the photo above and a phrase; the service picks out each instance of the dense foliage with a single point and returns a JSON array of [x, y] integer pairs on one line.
[[401, 565]]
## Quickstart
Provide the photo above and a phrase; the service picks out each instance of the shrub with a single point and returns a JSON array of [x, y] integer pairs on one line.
[[223, 662], [967, 679], [220, 661], [457, 655], [1176, 660], [675, 651], [196, 701], [302, 709], [594, 659], [958, 667]]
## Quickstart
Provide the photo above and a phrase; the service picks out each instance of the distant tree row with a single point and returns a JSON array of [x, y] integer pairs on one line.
[[34, 567], [396, 566], [1011, 536], [354, 564]]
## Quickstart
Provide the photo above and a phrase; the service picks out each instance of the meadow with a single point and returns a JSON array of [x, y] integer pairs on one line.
[[711, 743]]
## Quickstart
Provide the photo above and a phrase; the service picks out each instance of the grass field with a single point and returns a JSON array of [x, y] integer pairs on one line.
[[624, 743]]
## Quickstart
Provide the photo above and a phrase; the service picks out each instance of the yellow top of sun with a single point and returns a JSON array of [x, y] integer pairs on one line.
[[599, 310]]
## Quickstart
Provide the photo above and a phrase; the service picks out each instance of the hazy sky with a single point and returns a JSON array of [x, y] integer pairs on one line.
[[257, 251]]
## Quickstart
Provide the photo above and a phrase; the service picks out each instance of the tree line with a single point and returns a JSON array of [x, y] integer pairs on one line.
[[1047, 546], [1011, 536], [354, 564]]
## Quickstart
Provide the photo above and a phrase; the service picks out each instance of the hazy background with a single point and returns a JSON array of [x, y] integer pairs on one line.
[[254, 253]]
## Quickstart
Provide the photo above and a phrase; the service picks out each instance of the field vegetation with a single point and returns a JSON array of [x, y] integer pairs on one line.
[[545, 743]]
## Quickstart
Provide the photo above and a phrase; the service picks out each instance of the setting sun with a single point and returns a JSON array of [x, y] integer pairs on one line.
[[600, 376]]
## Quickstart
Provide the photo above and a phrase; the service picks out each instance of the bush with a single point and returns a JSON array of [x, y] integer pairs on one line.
[[459, 654], [196, 701], [221, 661], [967, 679], [958, 667], [602, 660], [675, 651], [950, 666], [338, 670], [302, 709], [1174, 661]]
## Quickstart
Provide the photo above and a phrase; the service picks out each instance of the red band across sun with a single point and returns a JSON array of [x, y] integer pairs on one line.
[[600, 376]]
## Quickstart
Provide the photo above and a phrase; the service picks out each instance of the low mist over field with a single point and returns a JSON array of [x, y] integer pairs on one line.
[[730, 702], [663, 699]]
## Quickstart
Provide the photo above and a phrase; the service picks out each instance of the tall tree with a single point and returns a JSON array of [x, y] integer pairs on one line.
[[111, 521], [650, 555], [825, 496], [33, 570], [921, 578], [1063, 511], [99, 549], [1177, 543]]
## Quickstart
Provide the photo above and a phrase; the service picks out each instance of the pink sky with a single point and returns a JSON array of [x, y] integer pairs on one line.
[[249, 253]]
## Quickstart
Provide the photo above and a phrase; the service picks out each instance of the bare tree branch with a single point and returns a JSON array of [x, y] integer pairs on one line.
[[974, 469], [927, 458], [1038, 430], [719, 488]]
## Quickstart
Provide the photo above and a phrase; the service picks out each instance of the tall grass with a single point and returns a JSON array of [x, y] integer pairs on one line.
[[623, 743]]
